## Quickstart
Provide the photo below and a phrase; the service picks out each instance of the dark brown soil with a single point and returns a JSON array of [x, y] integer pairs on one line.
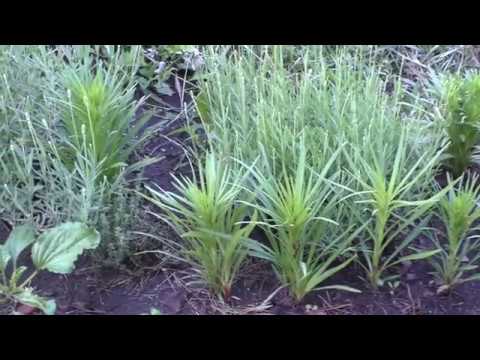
[[169, 142], [97, 291], [90, 290]]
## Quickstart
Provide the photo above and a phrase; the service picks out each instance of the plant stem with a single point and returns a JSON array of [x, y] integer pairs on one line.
[[377, 253], [30, 278]]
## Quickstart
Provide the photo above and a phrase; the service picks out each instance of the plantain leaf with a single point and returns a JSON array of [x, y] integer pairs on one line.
[[27, 297], [20, 238], [57, 249]]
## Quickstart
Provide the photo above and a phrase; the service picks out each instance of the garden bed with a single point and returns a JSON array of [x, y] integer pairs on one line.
[[147, 278]]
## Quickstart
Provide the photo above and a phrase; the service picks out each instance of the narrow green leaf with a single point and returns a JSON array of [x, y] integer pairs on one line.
[[420, 255]]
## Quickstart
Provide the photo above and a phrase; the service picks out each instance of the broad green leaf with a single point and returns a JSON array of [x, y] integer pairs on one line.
[[4, 258], [20, 238], [57, 249], [27, 297]]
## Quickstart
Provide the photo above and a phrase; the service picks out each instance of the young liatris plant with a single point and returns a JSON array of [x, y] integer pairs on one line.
[[98, 118], [388, 198], [462, 121], [55, 250], [460, 254], [297, 213], [206, 213]]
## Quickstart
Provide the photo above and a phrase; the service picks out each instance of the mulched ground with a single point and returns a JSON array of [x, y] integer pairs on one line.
[[92, 290]]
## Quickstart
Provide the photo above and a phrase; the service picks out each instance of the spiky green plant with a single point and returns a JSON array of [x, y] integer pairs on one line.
[[460, 254], [462, 121], [298, 211], [205, 212], [394, 211]]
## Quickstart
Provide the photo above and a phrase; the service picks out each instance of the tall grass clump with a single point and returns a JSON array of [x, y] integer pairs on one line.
[[206, 214], [252, 99]]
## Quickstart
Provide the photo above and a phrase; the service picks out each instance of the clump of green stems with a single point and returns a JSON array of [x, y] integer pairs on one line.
[[462, 121], [459, 255], [206, 213], [298, 212], [393, 209]]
